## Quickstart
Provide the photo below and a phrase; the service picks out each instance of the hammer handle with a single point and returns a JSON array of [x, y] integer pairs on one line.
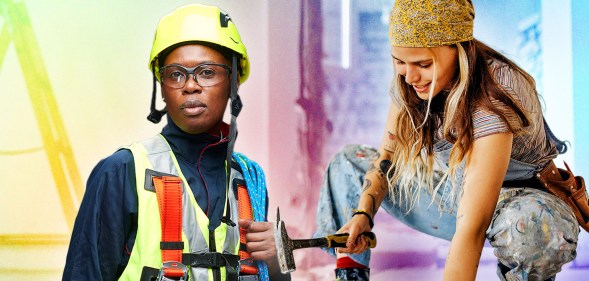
[[339, 240]]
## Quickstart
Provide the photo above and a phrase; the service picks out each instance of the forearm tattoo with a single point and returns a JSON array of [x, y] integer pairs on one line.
[[379, 174], [374, 169], [380, 171], [373, 205], [385, 166], [366, 185]]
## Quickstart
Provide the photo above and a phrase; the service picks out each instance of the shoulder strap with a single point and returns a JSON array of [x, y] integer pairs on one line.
[[168, 190], [247, 265]]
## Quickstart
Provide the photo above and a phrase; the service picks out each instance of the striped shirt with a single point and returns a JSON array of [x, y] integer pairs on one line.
[[530, 144]]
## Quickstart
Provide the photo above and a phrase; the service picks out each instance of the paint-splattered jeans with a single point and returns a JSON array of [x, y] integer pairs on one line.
[[533, 233]]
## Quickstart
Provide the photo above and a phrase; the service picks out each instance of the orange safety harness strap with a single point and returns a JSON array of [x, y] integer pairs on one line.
[[244, 205], [168, 190]]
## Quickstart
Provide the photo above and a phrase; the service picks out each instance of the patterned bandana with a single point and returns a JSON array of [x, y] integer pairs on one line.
[[431, 23]]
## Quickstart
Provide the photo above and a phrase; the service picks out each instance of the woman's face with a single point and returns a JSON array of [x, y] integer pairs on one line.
[[416, 65], [194, 108]]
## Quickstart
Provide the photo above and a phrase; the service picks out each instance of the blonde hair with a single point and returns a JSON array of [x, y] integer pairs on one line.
[[419, 121]]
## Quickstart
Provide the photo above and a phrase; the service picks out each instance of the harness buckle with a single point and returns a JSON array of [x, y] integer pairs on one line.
[[173, 271]]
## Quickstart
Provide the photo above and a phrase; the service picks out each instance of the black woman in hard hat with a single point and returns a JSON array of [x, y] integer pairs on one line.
[[463, 157], [171, 207]]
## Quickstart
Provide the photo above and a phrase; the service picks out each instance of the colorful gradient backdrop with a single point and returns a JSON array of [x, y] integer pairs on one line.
[[75, 87]]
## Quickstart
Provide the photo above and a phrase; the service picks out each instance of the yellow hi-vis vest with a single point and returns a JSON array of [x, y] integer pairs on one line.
[[155, 154]]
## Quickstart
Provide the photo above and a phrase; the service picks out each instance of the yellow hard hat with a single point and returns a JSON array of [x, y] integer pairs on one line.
[[198, 23]]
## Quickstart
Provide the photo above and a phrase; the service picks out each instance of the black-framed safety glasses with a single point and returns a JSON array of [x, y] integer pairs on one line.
[[205, 75]]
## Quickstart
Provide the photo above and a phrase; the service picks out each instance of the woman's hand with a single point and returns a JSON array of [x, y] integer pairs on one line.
[[260, 239], [262, 246], [356, 243]]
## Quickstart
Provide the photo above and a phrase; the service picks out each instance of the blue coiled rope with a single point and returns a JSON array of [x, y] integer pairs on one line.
[[255, 180]]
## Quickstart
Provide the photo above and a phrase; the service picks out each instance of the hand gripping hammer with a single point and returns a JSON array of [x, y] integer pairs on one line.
[[285, 246]]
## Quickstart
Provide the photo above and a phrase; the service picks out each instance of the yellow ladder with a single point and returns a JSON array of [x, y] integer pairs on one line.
[[17, 29]]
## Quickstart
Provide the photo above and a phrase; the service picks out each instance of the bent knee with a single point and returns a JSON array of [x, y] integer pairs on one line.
[[355, 152], [359, 157], [531, 225]]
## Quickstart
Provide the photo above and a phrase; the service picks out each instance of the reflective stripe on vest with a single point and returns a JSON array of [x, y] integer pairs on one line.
[[155, 154]]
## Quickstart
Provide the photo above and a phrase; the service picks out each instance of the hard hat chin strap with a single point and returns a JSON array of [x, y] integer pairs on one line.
[[236, 106], [155, 115]]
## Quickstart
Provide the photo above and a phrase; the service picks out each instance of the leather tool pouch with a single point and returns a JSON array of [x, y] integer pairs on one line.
[[568, 188]]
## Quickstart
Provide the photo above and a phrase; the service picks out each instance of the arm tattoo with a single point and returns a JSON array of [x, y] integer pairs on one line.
[[366, 185], [373, 209], [388, 144], [379, 170], [385, 166], [391, 136], [375, 170]]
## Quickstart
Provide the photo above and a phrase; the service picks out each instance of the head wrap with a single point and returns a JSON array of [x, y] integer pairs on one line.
[[431, 23]]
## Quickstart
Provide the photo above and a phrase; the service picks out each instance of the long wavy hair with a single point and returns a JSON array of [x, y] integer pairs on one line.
[[449, 115]]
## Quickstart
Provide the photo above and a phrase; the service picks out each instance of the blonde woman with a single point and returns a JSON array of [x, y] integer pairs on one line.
[[464, 137]]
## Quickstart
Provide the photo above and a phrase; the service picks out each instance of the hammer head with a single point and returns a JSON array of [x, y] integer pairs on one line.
[[284, 247]]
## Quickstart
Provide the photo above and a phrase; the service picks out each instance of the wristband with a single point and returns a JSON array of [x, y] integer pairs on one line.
[[363, 212]]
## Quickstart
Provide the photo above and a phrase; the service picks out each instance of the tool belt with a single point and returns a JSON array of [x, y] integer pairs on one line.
[[564, 185]]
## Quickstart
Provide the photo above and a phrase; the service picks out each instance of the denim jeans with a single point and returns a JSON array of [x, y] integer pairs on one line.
[[533, 233]]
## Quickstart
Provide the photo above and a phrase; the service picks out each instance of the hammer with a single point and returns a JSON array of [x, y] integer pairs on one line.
[[285, 246]]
